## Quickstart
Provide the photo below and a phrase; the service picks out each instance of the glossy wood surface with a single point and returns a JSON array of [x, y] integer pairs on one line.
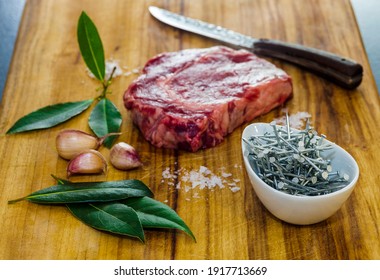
[[47, 68]]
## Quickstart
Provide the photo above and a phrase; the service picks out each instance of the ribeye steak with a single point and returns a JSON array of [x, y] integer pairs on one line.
[[191, 99]]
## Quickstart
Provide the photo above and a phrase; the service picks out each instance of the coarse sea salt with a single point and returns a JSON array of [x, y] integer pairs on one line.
[[296, 120], [110, 65], [199, 179]]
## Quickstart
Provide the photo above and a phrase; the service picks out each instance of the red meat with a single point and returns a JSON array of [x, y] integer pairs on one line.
[[193, 98]]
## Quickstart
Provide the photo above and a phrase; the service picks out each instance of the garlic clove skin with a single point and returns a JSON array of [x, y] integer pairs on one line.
[[87, 162], [124, 157], [71, 142]]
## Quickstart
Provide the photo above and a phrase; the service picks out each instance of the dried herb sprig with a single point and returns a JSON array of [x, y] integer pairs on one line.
[[292, 162], [105, 117]]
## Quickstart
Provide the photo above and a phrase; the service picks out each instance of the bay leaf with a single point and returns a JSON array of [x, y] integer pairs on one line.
[[68, 192], [155, 214], [105, 118], [49, 116], [112, 217], [91, 46]]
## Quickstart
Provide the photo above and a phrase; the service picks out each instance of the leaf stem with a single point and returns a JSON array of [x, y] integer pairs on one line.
[[106, 84], [16, 200]]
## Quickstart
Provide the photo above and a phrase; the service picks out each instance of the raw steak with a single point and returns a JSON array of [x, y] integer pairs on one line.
[[193, 98]]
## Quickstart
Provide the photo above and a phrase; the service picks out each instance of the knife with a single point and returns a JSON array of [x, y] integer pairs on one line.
[[342, 71]]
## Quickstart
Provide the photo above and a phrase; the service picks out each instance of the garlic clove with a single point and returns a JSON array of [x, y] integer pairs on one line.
[[87, 162], [71, 142], [124, 157]]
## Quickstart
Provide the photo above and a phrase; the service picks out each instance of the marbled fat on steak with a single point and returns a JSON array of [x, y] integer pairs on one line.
[[193, 98]]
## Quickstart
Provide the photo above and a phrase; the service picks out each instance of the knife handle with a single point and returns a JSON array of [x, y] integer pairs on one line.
[[342, 71]]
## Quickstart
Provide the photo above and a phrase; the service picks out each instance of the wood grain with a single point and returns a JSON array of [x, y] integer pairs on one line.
[[47, 69]]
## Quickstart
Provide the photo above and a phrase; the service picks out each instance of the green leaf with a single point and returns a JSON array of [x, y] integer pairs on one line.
[[105, 118], [49, 116], [91, 46], [155, 214], [112, 217], [68, 192]]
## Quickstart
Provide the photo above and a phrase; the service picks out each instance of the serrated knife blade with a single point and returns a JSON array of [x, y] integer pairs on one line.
[[342, 71]]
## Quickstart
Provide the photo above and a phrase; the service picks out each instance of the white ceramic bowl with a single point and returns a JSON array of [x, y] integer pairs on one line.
[[301, 210]]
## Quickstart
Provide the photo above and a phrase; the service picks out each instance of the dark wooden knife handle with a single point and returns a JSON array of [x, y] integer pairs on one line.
[[342, 71]]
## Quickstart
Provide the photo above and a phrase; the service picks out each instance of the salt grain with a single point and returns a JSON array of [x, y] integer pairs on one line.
[[226, 175], [166, 173], [196, 195], [235, 189], [136, 71]]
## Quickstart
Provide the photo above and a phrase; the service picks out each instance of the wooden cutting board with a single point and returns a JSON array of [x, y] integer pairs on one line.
[[229, 223]]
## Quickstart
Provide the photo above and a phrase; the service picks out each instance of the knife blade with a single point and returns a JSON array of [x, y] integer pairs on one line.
[[340, 70]]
